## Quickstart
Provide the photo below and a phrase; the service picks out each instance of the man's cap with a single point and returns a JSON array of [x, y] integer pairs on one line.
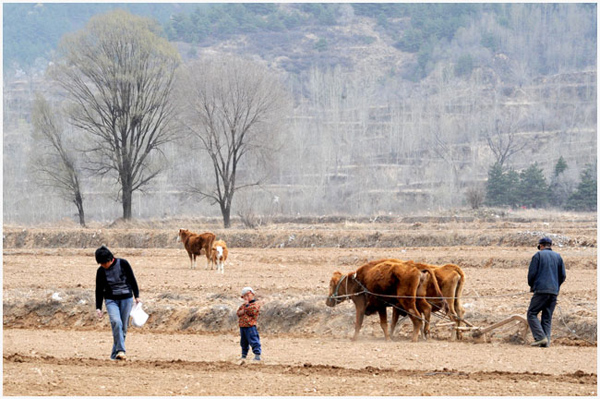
[[103, 255], [545, 241], [246, 290]]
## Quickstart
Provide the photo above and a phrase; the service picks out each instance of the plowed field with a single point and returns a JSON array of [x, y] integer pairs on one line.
[[54, 345]]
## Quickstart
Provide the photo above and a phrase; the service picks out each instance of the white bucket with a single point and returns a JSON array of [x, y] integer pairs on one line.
[[138, 316]]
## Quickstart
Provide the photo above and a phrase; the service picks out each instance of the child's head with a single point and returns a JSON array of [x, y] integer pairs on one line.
[[248, 292]]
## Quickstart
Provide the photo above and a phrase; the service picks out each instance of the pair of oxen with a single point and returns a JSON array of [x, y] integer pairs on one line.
[[412, 289]]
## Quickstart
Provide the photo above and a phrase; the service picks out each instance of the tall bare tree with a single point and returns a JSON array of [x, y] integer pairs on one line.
[[55, 163], [233, 106], [502, 137], [118, 75]]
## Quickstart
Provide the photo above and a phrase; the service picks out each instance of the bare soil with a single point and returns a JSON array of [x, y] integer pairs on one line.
[[54, 345]]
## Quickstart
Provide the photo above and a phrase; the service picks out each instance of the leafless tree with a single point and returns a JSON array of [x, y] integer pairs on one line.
[[118, 74], [502, 138], [475, 196], [233, 107], [55, 164]]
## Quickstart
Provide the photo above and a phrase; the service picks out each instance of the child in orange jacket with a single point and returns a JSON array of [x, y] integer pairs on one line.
[[248, 315]]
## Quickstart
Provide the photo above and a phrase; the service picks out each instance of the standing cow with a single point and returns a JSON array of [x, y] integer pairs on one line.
[[196, 243], [219, 255], [375, 286], [451, 280]]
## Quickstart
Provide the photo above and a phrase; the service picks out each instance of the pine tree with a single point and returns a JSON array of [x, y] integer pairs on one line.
[[585, 196], [561, 166], [495, 186], [560, 187], [501, 186], [533, 188], [511, 188]]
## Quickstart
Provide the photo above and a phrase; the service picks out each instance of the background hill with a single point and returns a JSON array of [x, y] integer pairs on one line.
[[394, 104], [296, 37]]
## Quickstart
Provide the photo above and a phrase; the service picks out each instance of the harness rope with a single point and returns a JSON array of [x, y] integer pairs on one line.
[[335, 295], [571, 331], [336, 298], [430, 297]]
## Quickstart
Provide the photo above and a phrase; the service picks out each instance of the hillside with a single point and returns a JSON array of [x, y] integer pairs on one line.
[[394, 108], [409, 40], [357, 47]]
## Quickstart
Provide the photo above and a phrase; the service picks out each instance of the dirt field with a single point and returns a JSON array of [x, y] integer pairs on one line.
[[53, 345]]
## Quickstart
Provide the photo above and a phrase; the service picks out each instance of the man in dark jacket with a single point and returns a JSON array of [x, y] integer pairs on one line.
[[546, 274], [117, 286]]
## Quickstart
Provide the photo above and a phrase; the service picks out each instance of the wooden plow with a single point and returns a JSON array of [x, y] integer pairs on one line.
[[482, 333]]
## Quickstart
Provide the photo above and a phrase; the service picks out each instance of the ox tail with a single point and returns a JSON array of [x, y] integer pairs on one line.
[[438, 291], [458, 294]]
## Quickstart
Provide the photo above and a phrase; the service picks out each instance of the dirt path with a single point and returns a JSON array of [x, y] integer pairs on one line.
[[75, 363]]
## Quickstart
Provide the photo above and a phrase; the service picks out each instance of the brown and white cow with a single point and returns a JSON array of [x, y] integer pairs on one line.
[[219, 255], [451, 280], [195, 244], [375, 286]]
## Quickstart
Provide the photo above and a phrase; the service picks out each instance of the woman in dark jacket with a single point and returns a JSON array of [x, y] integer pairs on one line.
[[116, 284]]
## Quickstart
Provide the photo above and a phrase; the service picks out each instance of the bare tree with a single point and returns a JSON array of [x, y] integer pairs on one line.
[[475, 196], [118, 74], [502, 138], [55, 164], [232, 107]]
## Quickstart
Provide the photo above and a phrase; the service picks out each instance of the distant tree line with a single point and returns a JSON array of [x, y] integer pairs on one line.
[[223, 20], [530, 189], [423, 29], [428, 21], [427, 30]]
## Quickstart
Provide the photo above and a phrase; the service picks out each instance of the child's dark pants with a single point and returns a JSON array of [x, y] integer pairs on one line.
[[249, 336]]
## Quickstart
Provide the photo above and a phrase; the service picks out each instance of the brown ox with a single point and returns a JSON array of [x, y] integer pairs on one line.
[[388, 283], [451, 280], [196, 243], [219, 255]]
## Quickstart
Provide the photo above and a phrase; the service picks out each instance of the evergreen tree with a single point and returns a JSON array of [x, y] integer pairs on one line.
[[560, 187], [561, 166], [511, 190], [585, 196], [410, 41], [501, 186], [495, 187], [464, 66], [533, 188]]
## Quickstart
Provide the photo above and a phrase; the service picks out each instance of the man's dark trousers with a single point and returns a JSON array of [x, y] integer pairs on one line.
[[544, 303]]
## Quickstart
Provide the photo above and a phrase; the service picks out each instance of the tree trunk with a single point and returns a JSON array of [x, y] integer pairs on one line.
[[79, 204], [226, 212], [127, 198]]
